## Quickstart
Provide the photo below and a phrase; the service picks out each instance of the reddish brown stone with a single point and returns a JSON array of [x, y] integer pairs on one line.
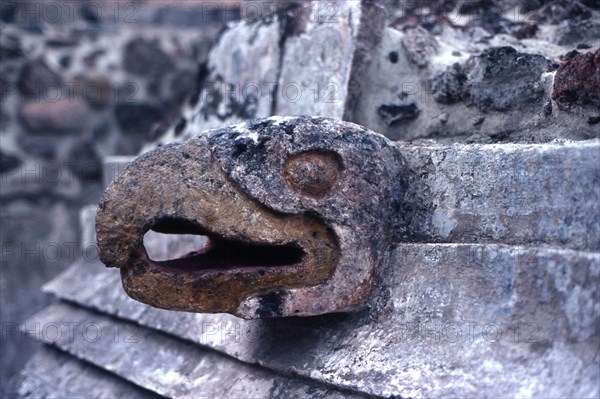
[[62, 116], [578, 80]]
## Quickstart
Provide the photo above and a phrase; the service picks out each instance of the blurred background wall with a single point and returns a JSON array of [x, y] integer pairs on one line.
[[79, 81]]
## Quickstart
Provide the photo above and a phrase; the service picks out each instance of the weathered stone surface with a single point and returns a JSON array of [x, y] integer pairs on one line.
[[325, 57], [510, 193], [295, 264], [53, 374], [448, 86], [448, 320], [308, 59], [420, 46], [243, 68], [572, 32], [504, 79], [238, 81], [578, 80], [64, 116], [162, 364]]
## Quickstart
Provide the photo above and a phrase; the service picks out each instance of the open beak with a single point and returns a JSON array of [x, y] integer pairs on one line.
[[250, 249]]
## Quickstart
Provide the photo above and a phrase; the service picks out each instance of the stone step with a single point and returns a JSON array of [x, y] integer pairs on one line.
[[450, 320], [160, 363], [53, 374], [538, 194]]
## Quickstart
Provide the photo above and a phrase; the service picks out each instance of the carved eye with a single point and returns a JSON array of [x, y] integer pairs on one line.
[[313, 172]]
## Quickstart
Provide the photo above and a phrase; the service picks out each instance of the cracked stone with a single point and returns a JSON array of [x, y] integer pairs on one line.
[[324, 61]]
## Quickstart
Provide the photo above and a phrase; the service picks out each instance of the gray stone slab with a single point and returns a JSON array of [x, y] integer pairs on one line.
[[325, 56], [449, 320], [243, 68], [53, 374], [160, 363], [509, 193]]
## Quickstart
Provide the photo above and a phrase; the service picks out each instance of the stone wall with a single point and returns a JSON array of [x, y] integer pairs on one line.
[[79, 81], [83, 81]]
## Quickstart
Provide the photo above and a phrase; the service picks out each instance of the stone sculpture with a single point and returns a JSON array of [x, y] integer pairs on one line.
[[298, 212]]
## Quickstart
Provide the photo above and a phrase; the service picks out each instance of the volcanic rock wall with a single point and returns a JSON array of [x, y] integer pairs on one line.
[[75, 89], [79, 81]]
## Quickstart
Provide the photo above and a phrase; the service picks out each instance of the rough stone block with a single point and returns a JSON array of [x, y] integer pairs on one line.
[[239, 81], [509, 193], [464, 88], [326, 53]]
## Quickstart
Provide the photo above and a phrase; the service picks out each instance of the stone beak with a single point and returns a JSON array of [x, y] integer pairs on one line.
[[252, 251]]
